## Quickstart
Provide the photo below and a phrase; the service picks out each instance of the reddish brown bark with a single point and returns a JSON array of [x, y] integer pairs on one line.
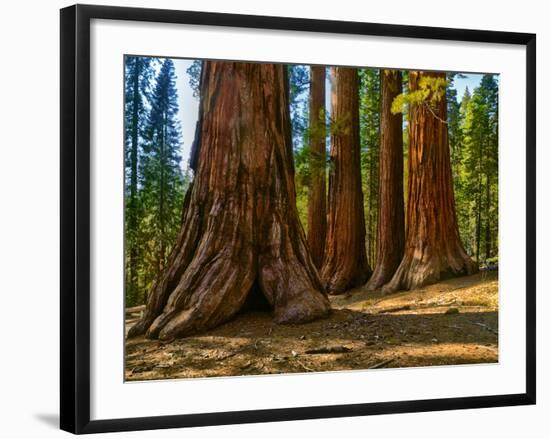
[[241, 229], [317, 197], [391, 213], [345, 262], [433, 249]]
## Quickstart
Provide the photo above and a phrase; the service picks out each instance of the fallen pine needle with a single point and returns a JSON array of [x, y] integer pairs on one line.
[[309, 369], [382, 363]]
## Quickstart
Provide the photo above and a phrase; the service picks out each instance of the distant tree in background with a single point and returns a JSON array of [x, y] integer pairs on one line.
[[194, 73], [454, 125], [162, 178], [460, 181], [480, 174], [298, 101], [298, 80], [473, 139], [369, 122], [138, 73], [155, 182], [317, 192]]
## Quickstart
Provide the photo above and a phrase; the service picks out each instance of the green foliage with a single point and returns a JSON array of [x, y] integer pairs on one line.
[[454, 126], [315, 133], [194, 72], [474, 155], [369, 130], [430, 91], [138, 74], [153, 213], [298, 86], [298, 79]]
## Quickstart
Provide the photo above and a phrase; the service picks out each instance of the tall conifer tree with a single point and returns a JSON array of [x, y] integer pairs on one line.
[[137, 83], [481, 166], [369, 121], [162, 175]]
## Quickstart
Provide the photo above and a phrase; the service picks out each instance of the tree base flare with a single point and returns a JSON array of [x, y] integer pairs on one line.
[[433, 249], [416, 273], [240, 228]]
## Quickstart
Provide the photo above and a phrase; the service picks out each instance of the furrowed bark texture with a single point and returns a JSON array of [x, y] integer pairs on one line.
[[240, 228], [345, 262], [317, 202], [391, 212], [433, 249]]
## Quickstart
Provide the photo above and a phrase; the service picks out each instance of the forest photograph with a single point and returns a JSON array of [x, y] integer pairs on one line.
[[289, 218]]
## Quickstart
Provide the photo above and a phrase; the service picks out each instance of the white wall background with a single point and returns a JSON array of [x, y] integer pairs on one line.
[[29, 200]]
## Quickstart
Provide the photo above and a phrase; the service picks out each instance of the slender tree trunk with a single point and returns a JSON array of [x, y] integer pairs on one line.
[[488, 218], [433, 250], [162, 213], [370, 223], [391, 215], [478, 203], [345, 264], [317, 203], [241, 227], [132, 220]]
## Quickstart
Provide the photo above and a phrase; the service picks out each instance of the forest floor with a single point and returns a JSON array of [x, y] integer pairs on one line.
[[452, 322]]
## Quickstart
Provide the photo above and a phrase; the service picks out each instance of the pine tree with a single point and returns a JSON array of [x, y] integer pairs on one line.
[[462, 197], [162, 179], [298, 89], [454, 126], [369, 120], [481, 166], [194, 72], [317, 195], [298, 80], [138, 73]]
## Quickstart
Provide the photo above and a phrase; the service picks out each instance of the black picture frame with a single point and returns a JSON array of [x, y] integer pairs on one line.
[[75, 217]]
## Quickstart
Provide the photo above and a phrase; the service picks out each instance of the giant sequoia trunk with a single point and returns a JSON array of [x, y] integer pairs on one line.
[[317, 203], [345, 262], [391, 216], [240, 232], [433, 250]]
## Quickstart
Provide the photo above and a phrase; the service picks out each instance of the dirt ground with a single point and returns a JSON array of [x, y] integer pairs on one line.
[[452, 322]]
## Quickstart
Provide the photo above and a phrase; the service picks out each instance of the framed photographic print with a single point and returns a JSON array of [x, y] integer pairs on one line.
[[268, 218]]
